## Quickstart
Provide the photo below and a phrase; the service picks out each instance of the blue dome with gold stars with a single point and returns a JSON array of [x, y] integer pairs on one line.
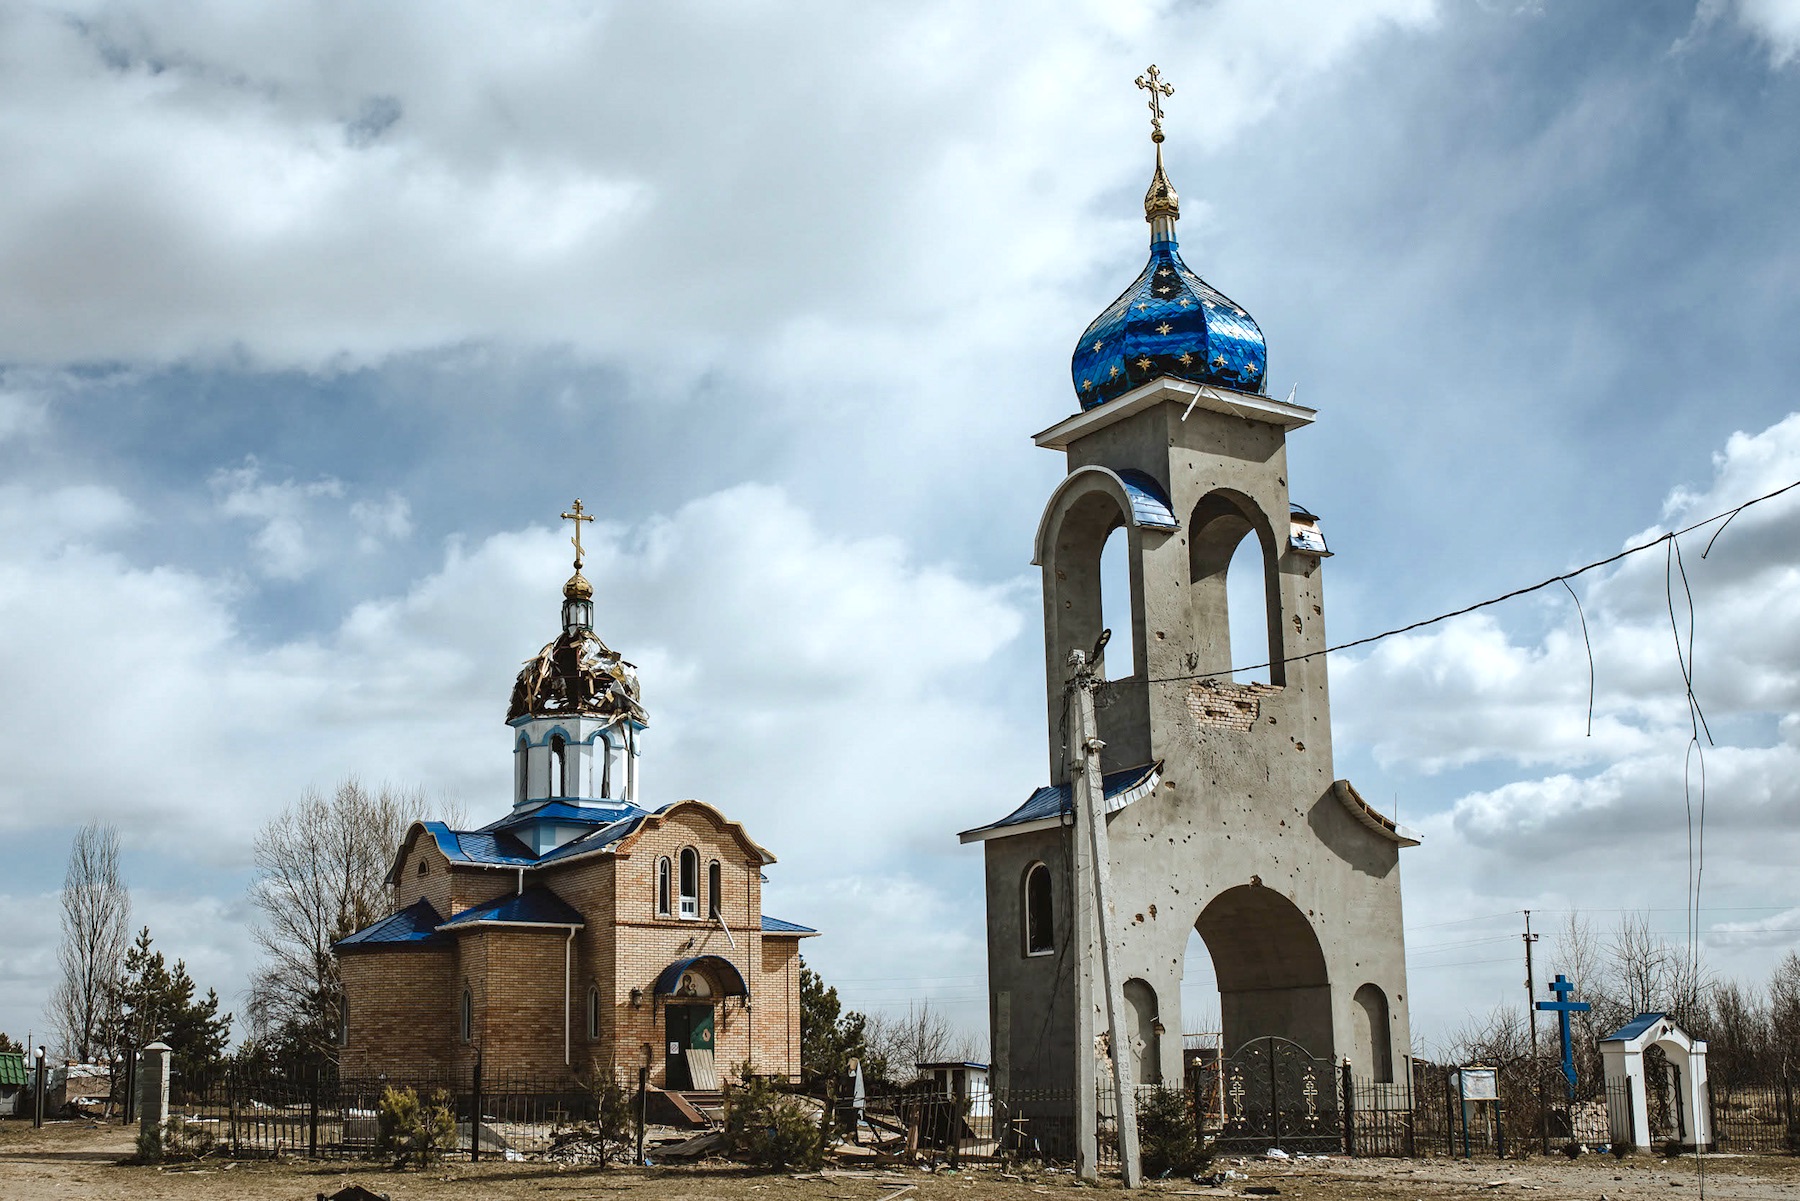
[[1170, 322]]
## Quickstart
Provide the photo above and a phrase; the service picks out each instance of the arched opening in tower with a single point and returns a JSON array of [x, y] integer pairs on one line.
[[1115, 603], [1234, 604], [1268, 968]]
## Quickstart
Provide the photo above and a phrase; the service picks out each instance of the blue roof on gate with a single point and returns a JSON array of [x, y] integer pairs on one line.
[[1054, 800], [1149, 503], [774, 925], [1634, 1027], [730, 979], [536, 906], [412, 928]]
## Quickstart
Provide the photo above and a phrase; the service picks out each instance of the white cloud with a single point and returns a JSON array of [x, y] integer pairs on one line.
[[314, 186], [816, 686], [1777, 22]]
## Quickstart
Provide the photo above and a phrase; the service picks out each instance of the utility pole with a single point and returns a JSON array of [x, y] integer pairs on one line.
[[1094, 870], [1530, 990], [1531, 1021]]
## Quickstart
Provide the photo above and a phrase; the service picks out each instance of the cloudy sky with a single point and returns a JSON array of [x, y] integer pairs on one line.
[[313, 317]]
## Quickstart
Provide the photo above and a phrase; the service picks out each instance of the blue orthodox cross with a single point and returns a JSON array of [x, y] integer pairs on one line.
[[1562, 1007]]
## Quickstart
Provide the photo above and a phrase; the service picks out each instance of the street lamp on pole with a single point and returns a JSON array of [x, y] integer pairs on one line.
[[37, 1094]]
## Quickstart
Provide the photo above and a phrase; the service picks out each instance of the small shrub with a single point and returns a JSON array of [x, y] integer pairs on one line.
[[176, 1139], [1168, 1140], [607, 1136], [769, 1129], [409, 1128]]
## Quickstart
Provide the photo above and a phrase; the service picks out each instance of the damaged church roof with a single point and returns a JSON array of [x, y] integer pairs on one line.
[[1047, 806], [577, 673]]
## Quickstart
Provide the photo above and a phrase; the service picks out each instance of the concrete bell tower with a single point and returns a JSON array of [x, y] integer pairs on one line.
[[1223, 812]]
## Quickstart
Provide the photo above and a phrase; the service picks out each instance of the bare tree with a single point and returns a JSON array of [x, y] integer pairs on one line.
[[96, 928], [322, 867], [896, 1045]]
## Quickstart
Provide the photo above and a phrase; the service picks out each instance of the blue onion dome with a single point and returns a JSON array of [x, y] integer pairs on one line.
[[1170, 322]]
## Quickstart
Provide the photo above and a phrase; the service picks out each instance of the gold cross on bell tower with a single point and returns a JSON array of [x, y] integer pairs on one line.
[[1151, 81], [577, 516]]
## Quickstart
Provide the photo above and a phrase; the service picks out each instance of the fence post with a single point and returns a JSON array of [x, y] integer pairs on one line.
[[643, 1105], [1348, 1109], [959, 1086], [1793, 1127], [312, 1115], [475, 1111]]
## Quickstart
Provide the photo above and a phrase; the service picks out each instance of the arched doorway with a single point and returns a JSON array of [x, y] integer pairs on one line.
[[1270, 970]]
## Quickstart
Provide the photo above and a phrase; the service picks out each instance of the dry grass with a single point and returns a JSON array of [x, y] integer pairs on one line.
[[76, 1159]]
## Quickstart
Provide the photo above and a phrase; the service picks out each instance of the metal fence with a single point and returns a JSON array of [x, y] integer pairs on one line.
[[1756, 1118], [514, 1115], [323, 1116]]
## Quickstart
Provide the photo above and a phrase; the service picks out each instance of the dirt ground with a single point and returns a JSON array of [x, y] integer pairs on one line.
[[80, 1160]]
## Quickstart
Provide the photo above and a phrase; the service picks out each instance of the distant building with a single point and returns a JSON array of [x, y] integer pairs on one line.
[[582, 931], [13, 1083]]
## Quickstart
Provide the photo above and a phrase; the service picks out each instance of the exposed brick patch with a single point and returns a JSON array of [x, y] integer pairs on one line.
[[1222, 704]]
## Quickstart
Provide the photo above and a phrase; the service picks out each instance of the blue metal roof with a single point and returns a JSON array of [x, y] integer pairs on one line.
[[1149, 503], [774, 925], [479, 846], [536, 906], [565, 813], [1634, 1027], [1169, 322], [413, 928], [597, 839], [1054, 800], [731, 980]]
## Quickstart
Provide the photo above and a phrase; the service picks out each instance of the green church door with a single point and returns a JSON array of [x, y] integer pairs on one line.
[[690, 1028]]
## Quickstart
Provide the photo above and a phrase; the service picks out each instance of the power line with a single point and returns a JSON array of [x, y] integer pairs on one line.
[[1659, 540]]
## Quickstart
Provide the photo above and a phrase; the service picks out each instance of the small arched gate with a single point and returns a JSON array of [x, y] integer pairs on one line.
[[1272, 1092]]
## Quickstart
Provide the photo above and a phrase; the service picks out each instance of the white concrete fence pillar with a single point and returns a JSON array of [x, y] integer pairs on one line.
[[153, 1094]]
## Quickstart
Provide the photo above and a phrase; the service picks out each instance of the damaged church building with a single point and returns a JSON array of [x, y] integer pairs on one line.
[[582, 932], [1185, 796]]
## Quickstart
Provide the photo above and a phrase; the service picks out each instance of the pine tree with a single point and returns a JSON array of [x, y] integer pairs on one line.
[[156, 1003]]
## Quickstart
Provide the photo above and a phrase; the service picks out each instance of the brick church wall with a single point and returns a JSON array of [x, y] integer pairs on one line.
[[402, 1010], [515, 980]]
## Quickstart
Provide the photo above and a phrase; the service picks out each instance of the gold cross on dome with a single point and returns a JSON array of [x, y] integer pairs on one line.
[[1151, 81], [577, 516]]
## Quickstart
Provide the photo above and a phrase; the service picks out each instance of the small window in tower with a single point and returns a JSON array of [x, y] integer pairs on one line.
[[1040, 925], [559, 766], [715, 879], [663, 889], [424, 866], [593, 1013], [465, 1018], [521, 757], [690, 882], [604, 748]]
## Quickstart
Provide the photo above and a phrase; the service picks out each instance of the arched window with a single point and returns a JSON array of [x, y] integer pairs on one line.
[[1374, 1043], [603, 747], [343, 1030], [663, 889], [559, 766], [521, 760], [424, 865], [690, 882], [1040, 922], [593, 1013], [715, 882], [465, 1020]]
